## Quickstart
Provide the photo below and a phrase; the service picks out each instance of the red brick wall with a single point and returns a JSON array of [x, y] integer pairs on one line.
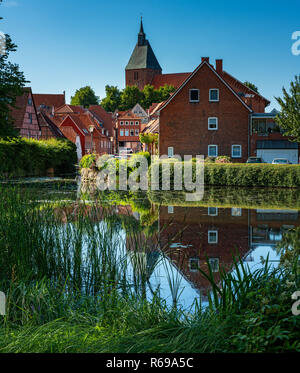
[[184, 125], [145, 77], [30, 128]]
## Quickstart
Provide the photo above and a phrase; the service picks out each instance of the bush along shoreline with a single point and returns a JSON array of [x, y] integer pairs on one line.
[[215, 174], [21, 157]]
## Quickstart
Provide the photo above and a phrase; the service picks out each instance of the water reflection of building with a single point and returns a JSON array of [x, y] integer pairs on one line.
[[191, 236], [268, 226]]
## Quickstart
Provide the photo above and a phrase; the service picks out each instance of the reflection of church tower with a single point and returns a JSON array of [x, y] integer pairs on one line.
[[143, 65]]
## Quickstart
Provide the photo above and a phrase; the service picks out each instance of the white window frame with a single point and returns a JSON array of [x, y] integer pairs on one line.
[[194, 89], [170, 150], [218, 264], [137, 123], [214, 89], [131, 132], [126, 132], [236, 211], [136, 132], [208, 148], [131, 123], [235, 156], [170, 209], [190, 264], [126, 123], [121, 132], [209, 213], [212, 129], [209, 239], [121, 123]]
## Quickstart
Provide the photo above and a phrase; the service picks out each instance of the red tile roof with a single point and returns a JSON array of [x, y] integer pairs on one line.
[[171, 79], [83, 122], [156, 108], [55, 100], [103, 116], [18, 112], [126, 115], [152, 126], [238, 86], [70, 109], [46, 122]]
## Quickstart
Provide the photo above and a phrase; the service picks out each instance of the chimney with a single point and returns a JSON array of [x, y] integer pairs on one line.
[[219, 66], [205, 59]]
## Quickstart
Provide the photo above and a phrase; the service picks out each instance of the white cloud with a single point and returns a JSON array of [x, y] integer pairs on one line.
[[10, 4]]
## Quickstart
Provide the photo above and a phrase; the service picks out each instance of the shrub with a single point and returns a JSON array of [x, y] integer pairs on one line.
[[249, 175], [223, 159], [135, 157], [210, 160], [87, 160], [28, 157]]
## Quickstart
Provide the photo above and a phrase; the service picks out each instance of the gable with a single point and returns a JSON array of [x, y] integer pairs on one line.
[[210, 78], [138, 110]]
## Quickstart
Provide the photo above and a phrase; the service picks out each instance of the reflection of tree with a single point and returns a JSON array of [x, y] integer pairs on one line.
[[289, 247]]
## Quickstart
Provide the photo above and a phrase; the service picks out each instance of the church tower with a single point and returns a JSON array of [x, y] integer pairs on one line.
[[143, 65]]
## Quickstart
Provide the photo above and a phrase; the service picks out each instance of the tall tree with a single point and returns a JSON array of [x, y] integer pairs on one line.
[[251, 86], [12, 82], [289, 117], [112, 100], [131, 95], [165, 91], [151, 96], [85, 97]]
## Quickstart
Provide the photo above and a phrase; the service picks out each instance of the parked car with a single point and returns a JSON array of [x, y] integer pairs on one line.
[[254, 160], [281, 161]]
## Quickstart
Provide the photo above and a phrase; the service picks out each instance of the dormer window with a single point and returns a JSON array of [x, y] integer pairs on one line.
[[194, 95], [30, 102], [214, 95]]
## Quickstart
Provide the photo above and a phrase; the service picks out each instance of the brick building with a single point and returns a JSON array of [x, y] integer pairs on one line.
[[24, 115], [205, 116], [77, 128], [128, 127], [143, 67], [211, 112], [214, 114]]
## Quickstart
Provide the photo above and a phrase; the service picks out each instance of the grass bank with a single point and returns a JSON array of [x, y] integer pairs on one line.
[[73, 284]]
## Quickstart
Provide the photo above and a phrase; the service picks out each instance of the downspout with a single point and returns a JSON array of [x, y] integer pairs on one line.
[[249, 134]]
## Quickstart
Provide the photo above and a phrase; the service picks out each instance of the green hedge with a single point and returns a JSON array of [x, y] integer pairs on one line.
[[244, 174], [252, 175], [21, 157]]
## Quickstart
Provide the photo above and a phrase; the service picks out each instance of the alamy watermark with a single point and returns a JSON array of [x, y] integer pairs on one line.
[[2, 303], [296, 305], [166, 174], [2, 44], [296, 45]]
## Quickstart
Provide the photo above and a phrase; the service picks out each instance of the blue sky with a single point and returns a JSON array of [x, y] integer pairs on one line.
[[67, 44]]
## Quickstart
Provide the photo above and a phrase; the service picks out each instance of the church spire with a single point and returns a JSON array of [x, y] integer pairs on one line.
[[141, 28], [141, 35]]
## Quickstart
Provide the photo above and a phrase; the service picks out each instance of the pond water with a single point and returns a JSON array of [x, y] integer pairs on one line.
[[165, 241]]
